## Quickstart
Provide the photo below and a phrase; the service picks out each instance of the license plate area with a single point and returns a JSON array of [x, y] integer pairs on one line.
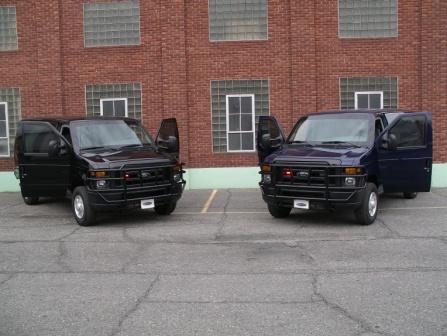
[[301, 204], [147, 203]]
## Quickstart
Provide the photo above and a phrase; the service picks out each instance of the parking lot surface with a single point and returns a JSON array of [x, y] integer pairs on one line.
[[221, 265]]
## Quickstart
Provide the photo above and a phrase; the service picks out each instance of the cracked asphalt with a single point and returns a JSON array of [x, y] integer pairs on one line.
[[231, 270]]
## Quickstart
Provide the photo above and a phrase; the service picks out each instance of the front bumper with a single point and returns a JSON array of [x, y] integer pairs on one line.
[[318, 197], [131, 197]]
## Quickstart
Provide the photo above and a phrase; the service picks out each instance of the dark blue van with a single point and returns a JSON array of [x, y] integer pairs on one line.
[[344, 159]]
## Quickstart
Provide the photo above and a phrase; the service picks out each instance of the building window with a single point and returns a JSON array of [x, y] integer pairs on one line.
[[8, 29], [4, 130], [112, 23], [368, 18], [9, 119], [114, 107], [230, 123], [114, 100], [369, 100], [240, 123], [236, 20], [364, 92]]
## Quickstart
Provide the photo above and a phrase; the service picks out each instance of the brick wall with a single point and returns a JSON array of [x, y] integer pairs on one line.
[[303, 60]]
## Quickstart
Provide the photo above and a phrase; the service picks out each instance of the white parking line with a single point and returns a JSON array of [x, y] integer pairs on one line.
[[209, 201]]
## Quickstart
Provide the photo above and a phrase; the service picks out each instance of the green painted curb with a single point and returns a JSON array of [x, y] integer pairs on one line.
[[222, 178]]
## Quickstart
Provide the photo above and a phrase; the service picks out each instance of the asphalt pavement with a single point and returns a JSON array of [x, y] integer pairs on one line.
[[221, 265]]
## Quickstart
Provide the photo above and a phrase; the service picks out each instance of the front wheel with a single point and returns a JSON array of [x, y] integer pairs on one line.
[[410, 195], [165, 209], [366, 214], [278, 211], [31, 200], [82, 209]]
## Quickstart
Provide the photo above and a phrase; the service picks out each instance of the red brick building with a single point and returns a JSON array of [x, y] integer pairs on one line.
[[192, 59]]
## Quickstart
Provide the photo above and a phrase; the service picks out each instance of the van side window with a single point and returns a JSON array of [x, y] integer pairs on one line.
[[37, 137], [66, 134], [410, 131]]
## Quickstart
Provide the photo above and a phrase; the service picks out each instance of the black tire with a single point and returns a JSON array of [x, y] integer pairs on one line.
[[165, 209], [31, 200], [362, 213], [279, 211], [85, 216], [410, 195]]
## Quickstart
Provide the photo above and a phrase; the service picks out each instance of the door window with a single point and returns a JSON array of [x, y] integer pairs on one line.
[[369, 100], [410, 131], [240, 123], [115, 107], [4, 130], [37, 138]]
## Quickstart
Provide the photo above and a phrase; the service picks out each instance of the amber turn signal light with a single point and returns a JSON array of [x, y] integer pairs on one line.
[[265, 168], [352, 170], [98, 174]]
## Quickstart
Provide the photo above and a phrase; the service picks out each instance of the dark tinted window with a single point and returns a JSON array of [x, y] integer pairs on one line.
[[66, 134], [37, 137], [410, 131]]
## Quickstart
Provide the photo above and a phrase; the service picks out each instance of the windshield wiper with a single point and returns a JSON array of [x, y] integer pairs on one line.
[[300, 142], [340, 143], [93, 147]]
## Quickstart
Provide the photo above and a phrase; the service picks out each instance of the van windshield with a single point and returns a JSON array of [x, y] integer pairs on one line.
[[333, 129], [108, 134]]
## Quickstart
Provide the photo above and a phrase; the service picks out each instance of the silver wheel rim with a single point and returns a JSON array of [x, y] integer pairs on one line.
[[372, 204], [79, 206]]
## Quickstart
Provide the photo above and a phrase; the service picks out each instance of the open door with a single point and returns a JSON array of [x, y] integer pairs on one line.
[[43, 160], [406, 154], [269, 137], [167, 140]]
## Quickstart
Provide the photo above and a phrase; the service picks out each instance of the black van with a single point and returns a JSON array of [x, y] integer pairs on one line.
[[344, 159], [104, 163]]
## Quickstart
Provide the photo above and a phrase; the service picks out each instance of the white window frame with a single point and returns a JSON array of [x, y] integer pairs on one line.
[[101, 103], [357, 93], [253, 121], [7, 130]]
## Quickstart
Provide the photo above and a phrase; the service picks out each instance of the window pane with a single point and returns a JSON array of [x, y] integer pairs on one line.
[[2, 112], [246, 106], [375, 101], [120, 108], [234, 141], [8, 28], [410, 131], [235, 122], [366, 18], [247, 141], [2, 129], [37, 138], [107, 108], [4, 147], [362, 101], [238, 19], [112, 23], [234, 106], [247, 122]]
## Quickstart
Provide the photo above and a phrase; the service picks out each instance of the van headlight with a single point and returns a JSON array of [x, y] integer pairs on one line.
[[350, 181], [267, 178], [101, 184], [177, 178]]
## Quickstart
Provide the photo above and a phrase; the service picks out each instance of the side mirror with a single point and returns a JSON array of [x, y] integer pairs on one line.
[[266, 141], [53, 148], [389, 142], [172, 144]]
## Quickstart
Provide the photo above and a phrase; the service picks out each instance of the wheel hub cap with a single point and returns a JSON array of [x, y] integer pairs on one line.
[[372, 204], [79, 206]]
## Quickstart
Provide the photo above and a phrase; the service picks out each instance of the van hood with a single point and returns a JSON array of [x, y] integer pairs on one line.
[[116, 159], [330, 154]]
